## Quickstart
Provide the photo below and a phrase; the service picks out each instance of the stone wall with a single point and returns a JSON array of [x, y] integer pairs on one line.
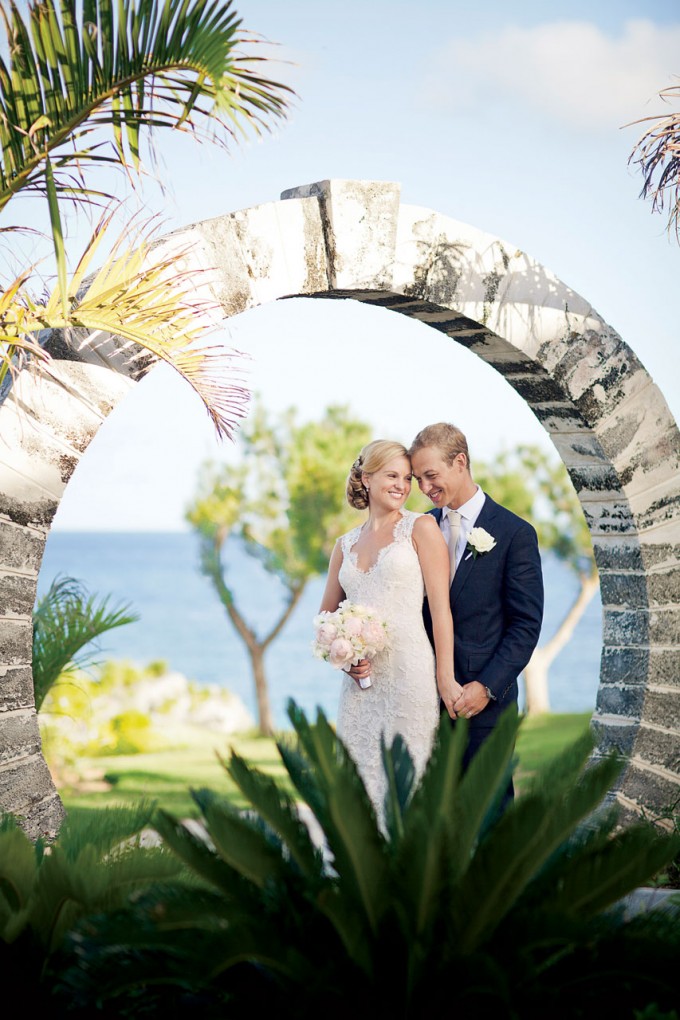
[[354, 239]]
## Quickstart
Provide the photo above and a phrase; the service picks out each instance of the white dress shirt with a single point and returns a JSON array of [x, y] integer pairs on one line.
[[469, 512]]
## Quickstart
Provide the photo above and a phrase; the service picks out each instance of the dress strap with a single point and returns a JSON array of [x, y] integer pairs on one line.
[[404, 529], [350, 539]]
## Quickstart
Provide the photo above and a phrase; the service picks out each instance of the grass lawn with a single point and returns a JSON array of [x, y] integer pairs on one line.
[[166, 776]]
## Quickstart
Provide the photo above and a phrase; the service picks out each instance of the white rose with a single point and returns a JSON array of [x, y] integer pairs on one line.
[[481, 541]]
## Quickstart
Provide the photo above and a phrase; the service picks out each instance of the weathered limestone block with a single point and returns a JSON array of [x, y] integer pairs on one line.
[[659, 505], [20, 548], [65, 404], [614, 732], [621, 699], [664, 667], [639, 435], [595, 482], [560, 417], [20, 737], [16, 641], [624, 666], [598, 372], [608, 517], [536, 387], [33, 475], [16, 689], [662, 708], [263, 253], [27, 791], [360, 225], [579, 451], [487, 279], [655, 790], [663, 587], [624, 591], [17, 594], [658, 745], [641, 627], [36, 456]]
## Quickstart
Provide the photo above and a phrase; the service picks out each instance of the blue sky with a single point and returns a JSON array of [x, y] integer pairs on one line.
[[507, 117]]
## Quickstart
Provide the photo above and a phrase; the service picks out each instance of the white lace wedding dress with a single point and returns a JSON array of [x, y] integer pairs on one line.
[[403, 697]]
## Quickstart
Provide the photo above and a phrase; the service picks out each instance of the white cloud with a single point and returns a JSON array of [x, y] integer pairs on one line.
[[569, 69]]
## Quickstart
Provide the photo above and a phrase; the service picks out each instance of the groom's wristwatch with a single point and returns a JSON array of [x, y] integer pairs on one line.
[[490, 694]]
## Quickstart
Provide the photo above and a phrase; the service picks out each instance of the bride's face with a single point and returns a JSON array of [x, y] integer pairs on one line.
[[389, 487]]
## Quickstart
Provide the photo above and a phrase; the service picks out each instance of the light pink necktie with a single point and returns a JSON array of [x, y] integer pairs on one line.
[[454, 532]]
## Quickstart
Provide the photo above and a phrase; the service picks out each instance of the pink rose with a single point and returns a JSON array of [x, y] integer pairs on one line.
[[373, 634], [341, 653], [353, 626], [326, 634]]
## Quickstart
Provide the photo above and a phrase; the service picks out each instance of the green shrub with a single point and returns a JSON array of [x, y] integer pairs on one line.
[[446, 909]]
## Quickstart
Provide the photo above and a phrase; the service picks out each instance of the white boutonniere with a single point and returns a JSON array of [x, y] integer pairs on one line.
[[480, 542]]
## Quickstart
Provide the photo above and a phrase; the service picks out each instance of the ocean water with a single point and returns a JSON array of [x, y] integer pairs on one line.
[[183, 623]]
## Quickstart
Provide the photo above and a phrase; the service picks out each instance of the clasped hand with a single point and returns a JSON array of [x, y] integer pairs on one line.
[[464, 700]]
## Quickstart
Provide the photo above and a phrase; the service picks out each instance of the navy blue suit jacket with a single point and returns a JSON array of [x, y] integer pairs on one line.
[[497, 608]]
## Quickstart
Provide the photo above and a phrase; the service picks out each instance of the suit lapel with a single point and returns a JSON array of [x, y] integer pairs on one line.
[[465, 567]]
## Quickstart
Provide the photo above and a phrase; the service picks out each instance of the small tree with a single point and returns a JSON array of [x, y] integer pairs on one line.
[[527, 482], [284, 502]]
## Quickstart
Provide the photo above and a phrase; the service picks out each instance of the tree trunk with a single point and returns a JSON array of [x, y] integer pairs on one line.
[[538, 667], [264, 711], [212, 568]]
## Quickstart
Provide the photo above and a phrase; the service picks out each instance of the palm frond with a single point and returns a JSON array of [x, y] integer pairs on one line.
[[657, 153], [65, 621], [146, 302], [75, 68]]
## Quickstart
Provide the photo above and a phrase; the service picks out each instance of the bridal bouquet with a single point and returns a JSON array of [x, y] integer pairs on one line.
[[351, 633]]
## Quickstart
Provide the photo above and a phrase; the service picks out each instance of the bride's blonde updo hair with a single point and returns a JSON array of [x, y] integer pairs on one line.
[[372, 458]]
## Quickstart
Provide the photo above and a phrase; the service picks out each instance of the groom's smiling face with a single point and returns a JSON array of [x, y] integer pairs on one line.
[[444, 484]]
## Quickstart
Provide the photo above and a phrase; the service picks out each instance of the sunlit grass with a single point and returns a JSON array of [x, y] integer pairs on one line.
[[167, 776]]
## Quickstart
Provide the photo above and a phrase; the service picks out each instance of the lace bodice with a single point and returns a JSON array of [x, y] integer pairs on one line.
[[403, 697], [393, 585]]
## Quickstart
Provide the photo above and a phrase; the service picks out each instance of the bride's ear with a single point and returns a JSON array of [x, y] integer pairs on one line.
[[364, 481]]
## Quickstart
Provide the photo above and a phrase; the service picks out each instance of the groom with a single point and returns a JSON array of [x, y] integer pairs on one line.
[[496, 589]]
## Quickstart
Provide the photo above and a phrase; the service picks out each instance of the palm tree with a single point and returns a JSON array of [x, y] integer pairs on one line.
[[66, 622], [658, 154], [83, 83]]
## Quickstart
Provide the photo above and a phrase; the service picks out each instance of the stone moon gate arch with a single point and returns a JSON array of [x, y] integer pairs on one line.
[[354, 239]]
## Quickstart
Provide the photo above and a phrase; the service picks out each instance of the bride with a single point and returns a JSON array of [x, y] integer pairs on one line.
[[388, 563]]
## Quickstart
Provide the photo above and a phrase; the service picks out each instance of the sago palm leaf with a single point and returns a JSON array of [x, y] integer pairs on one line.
[[599, 877], [76, 67], [239, 893], [423, 853], [400, 772], [65, 621], [18, 868], [480, 790], [517, 848], [326, 777], [65, 889], [241, 840], [344, 812], [278, 810], [43, 893]]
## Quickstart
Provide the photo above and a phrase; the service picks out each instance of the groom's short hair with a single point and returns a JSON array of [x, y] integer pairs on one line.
[[448, 439]]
